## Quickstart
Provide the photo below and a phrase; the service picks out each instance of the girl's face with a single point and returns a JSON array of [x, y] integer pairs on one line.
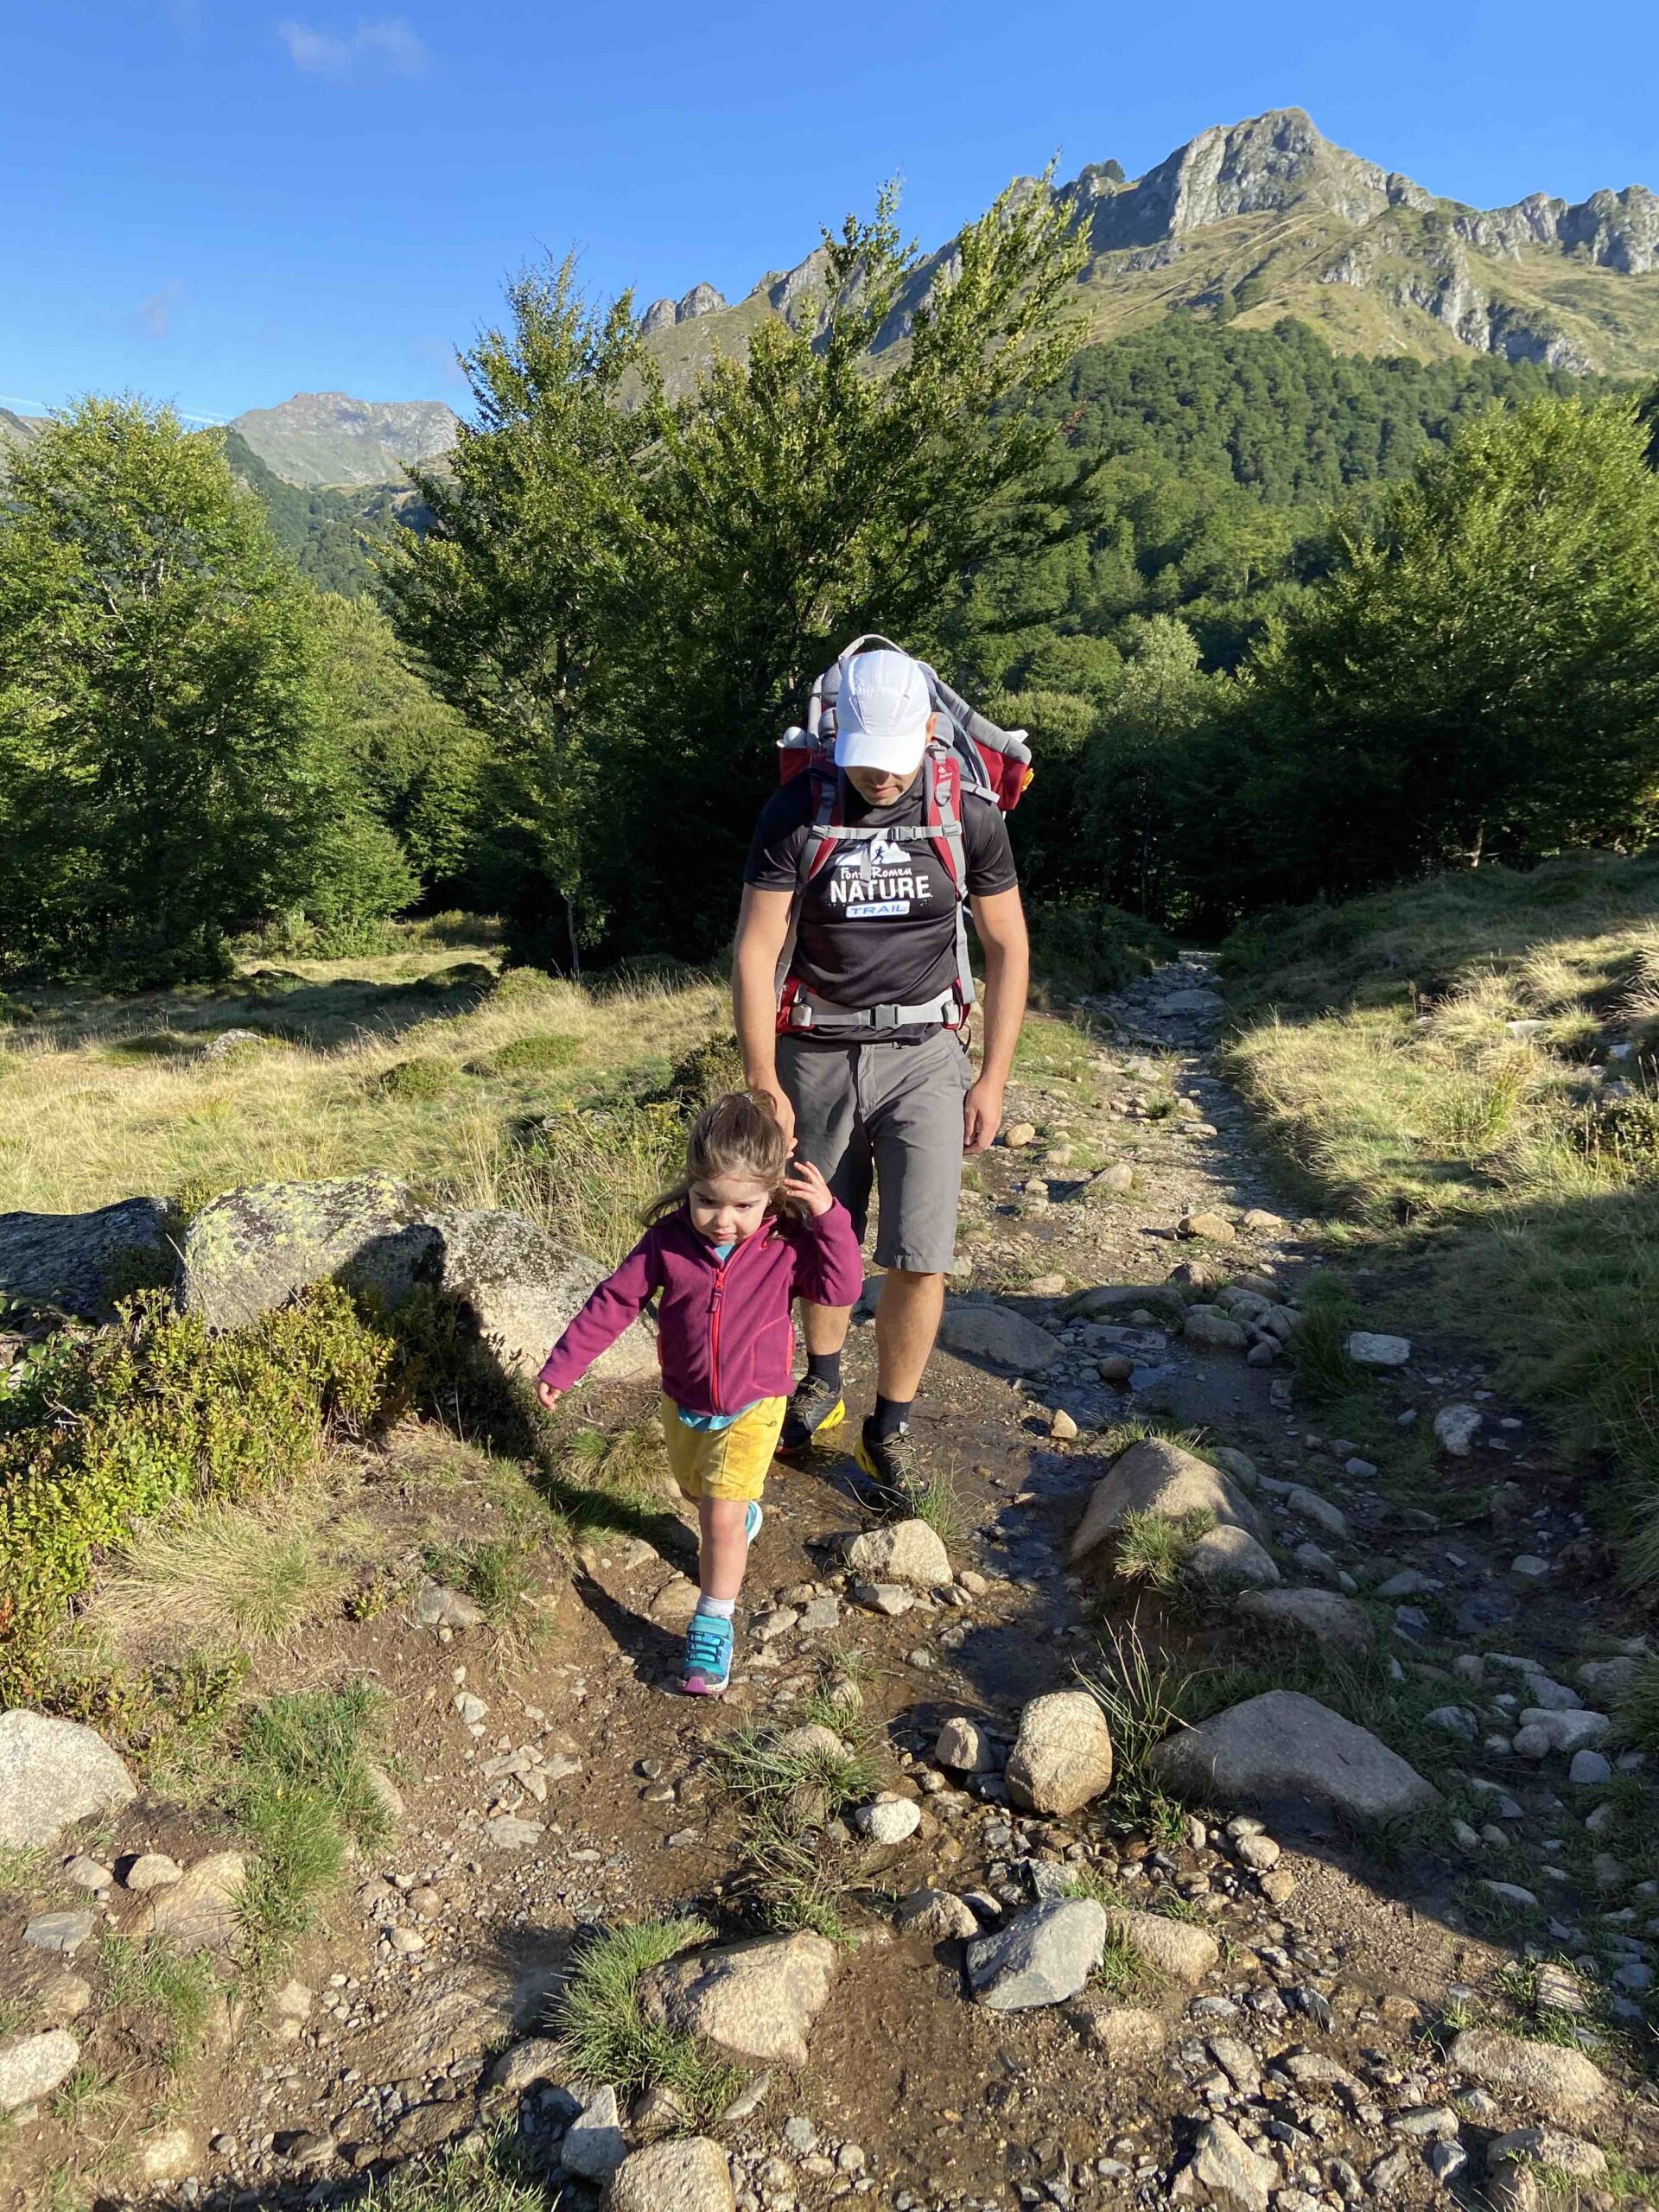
[[727, 1208]]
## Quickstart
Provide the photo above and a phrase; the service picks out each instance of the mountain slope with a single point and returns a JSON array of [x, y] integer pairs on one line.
[[319, 439], [1266, 218]]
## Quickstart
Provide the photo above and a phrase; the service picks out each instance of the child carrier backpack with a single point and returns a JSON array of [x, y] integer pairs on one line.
[[966, 752]]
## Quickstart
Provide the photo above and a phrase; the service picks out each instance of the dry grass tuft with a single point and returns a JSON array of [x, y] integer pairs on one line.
[[247, 1574]]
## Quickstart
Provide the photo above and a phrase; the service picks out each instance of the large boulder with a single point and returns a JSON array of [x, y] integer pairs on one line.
[[54, 1773], [1043, 1956], [1062, 1757], [998, 1335], [1341, 1623], [757, 2000], [523, 1289], [1156, 1475], [1277, 1751], [252, 1249], [688, 2175], [75, 1262]]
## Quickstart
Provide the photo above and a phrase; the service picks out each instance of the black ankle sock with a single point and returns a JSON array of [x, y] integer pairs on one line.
[[891, 1415], [825, 1367]]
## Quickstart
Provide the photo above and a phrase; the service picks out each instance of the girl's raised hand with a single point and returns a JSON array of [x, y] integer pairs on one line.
[[803, 1182]]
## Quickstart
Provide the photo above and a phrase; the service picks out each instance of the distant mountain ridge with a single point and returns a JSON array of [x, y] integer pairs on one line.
[[327, 439], [1267, 218]]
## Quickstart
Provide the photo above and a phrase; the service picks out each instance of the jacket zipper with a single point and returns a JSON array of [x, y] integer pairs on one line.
[[714, 1318]]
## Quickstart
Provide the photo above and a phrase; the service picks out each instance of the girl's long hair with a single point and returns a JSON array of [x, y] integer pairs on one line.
[[738, 1135]]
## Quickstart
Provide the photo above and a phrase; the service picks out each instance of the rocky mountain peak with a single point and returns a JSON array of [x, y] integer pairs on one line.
[[318, 438]]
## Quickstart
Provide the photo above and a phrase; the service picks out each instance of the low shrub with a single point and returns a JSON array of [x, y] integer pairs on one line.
[[416, 1080], [98, 1430], [535, 1054], [1094, 947]]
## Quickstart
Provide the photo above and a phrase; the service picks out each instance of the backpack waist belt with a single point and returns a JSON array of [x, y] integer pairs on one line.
[[803, 1010]]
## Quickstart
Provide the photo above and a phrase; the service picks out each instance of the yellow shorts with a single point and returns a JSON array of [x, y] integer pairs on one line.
[[724, 1462]]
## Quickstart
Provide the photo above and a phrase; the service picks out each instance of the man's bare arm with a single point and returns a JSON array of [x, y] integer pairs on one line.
[[999, 924], [762, 930]]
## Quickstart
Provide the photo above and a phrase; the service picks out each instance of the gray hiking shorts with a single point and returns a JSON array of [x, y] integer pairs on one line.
[[891, 1114]]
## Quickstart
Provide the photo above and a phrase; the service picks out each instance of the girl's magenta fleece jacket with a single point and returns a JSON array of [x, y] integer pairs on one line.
[[726, 1335]]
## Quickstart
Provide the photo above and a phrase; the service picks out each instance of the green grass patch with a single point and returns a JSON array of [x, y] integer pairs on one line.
[[539, 1054], [604, 2030], [1378, 1044], [497, 2176], [99, 1430], [168, 1994], [305, 1794], [1152, 1550]]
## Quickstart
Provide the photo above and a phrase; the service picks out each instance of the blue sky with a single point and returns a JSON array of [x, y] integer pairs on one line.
[[220, 204]]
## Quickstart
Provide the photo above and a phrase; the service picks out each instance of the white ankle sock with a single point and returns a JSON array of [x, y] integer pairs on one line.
[[723, 1609]]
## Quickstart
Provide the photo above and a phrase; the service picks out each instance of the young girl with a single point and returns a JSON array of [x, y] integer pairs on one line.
[[741, 1235]]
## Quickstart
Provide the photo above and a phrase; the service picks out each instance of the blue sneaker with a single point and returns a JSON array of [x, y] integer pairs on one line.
[[753, 1519], [707, 1666]]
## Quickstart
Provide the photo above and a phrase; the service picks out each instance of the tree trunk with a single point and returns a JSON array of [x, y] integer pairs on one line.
[[575, 949]]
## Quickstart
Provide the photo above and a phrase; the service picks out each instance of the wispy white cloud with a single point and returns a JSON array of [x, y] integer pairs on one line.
[[154, 315], [388, 48]]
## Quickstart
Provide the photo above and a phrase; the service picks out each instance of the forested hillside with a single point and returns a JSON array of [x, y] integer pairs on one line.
[[330, 535]]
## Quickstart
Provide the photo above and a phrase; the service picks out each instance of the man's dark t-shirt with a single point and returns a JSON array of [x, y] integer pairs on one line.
[[878, 925]]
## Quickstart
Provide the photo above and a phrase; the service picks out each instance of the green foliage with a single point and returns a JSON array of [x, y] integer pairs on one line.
[[417, 763], [1428, 706], [493, 2176], [512, 597], [1153, 1549], [98, 1430], [607, 2036], [166, 775], [418, 1079]]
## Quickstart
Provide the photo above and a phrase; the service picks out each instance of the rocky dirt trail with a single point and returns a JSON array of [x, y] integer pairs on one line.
[[1290, 1960]]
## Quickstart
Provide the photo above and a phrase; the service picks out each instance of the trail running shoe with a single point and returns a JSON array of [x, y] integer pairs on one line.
[[752, 1520], [894, 1468], [707, 1666], [814, 1409]]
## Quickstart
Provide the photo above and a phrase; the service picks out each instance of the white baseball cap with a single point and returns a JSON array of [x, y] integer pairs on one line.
[[882, 711]]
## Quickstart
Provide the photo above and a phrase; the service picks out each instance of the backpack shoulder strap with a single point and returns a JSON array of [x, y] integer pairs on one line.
[[826, 818], [941, 812]]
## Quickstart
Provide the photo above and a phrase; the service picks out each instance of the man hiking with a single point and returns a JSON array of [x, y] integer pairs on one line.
[[865, 1057]]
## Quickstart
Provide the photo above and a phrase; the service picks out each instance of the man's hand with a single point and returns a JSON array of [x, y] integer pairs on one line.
[[982, 1116], [548, 1397], [771, 1094], [805, 1183]]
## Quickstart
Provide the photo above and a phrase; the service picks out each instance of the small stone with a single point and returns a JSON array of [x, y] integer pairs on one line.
[[689, 2173], [1062, 1757], [535, 2060], [595, 2145], [1589, 1769], [507, 1833], [1259, 1852], [1119, 1177], [152, 1870], [1369, 1348], [936, 1915], [438, 1606], [905, 1551], [60, 1932], [1047, 1285], [1557, 2079], [292, 2001], [1176, 1947], [1126, 2032], [1061, 1426], [1214, 1228], [33, 2066], [1223, 2165], [1456, 1426], [1019, 1134], [890, 1821], [1043, 1956], [54, 1773], [87, 1873], [963, 1746], [472, 1710]]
